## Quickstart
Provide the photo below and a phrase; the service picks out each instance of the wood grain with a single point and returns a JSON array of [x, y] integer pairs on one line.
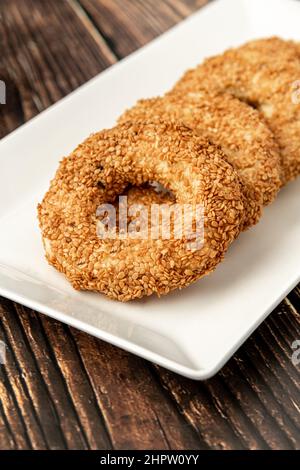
[[63, 389]]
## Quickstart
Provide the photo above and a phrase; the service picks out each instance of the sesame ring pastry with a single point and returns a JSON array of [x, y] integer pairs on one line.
[[261, 73], [100, 169], [245, 139]]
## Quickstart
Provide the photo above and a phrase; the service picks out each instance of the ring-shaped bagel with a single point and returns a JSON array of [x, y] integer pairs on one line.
[[245, 139], [99, 169], [262, 73]]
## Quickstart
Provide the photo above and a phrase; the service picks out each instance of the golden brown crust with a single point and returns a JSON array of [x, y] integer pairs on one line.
[[262, 73], [237, 128], [124, 269]]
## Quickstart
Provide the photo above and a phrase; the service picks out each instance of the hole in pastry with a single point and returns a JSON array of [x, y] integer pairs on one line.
[[100, 185], [254, 104], [160, 189]]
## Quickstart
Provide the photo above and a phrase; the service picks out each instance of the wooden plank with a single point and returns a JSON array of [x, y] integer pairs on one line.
[[47, 51], [137, 413], [186, 7], [78, 387], [196, 403], [12, 431], [54, 421], [92, 405], [128, 25]]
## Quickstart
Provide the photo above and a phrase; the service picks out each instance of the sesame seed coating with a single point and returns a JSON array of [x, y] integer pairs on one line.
[[261, 73], [100, 169], [238, 129]]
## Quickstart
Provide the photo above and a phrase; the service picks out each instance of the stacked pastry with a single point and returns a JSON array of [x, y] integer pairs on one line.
[[226, 138]]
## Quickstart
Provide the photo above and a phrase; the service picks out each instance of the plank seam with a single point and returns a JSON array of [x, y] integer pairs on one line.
[[98, 36]]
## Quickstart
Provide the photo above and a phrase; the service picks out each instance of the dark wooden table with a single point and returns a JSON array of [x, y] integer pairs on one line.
[[61, 388]]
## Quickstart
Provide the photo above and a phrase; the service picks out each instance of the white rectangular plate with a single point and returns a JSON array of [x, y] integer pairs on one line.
[[195, 331]]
